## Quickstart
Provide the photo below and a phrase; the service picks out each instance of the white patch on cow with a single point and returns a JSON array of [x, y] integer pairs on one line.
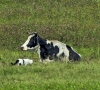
[[48, 41], [27, 41], [80, 55], [55, 42], [63, 49]]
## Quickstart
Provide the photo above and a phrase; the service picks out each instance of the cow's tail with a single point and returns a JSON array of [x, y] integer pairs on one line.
[[15, 62], [73, 55]]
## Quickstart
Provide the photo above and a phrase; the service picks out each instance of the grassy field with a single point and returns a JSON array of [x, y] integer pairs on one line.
[[74, 22], [58, 75]]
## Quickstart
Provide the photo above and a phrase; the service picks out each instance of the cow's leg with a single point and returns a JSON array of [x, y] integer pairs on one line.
[[59, 55], [66, 53], [39, 53], [48, 60], [67, 59], [40, 60]]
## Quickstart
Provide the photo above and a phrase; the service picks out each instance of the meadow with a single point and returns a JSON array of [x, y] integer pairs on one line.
[[74, 22]]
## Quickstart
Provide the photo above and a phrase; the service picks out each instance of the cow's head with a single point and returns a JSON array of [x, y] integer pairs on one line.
[[31, 42]]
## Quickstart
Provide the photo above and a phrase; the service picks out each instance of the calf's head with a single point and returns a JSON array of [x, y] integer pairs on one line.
[[31, 42]]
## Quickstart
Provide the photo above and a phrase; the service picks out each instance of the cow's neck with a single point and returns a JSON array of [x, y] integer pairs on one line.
[[42, 41]]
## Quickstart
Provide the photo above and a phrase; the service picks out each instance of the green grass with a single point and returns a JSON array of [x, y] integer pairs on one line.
[[74, 22], [83, 75]]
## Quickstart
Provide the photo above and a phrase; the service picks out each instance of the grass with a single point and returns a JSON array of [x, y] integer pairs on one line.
[[52, 76], [74, 22]]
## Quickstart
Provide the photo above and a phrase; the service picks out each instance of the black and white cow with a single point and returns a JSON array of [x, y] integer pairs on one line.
[[49, 49]]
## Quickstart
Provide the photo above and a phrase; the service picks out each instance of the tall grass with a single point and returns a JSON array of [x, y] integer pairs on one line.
[[75, 22]]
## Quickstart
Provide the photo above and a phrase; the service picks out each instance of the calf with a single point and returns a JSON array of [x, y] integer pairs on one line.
[[22, 62], [49, 49]]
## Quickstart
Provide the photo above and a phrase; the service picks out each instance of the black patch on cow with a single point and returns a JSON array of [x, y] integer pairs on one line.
[[72, 54], [54, 56], [42, 53], [33, 41], [42, 41], [23, 61], [15, 62], [50, 51]]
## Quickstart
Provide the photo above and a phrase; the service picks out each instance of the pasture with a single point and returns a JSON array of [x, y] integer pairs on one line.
[[58, 75], [74, 22]]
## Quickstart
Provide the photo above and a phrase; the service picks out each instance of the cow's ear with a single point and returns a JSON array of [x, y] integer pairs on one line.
[[36, 34]]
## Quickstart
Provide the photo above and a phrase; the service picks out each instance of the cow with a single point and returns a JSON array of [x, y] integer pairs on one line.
[[50, 49], [22, 62]]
